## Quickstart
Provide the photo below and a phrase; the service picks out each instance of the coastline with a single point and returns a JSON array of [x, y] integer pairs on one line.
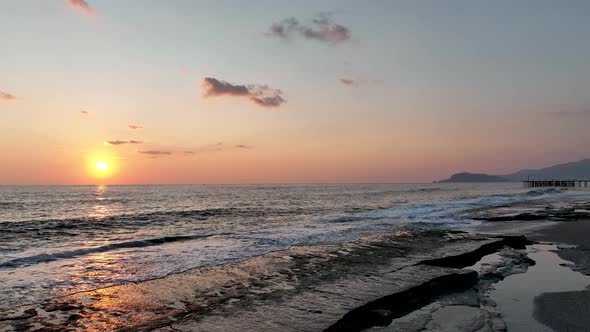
[[329, 280], [350, 286]]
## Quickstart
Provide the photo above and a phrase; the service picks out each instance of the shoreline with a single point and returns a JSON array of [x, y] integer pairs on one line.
[[317, 287], [300, 271]]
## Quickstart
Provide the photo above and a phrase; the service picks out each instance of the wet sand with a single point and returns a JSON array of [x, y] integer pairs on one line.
[[571, 232]]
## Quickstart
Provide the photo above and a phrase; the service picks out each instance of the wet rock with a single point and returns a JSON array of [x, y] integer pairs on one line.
[[380, 317], [580, 256], [30, 313], [62, 306], [520, 216], [564, 214], [26, 314], [403, 302], [470, 258], [457, 318], [564, 311], [73, 318]]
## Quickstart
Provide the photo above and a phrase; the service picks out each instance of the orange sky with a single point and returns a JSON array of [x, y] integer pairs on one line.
[[387, 93]]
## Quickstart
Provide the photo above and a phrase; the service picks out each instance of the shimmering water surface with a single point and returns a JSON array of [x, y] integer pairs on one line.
[[58, 240]]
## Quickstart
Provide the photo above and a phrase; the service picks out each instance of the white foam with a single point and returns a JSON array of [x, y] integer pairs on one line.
[[445, 212]]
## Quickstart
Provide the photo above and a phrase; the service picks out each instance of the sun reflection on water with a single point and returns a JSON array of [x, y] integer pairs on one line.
[[99, 267], [101, 210], [100, 192]]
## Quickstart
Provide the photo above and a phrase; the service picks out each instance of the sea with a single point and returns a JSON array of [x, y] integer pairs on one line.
[[59, 240]]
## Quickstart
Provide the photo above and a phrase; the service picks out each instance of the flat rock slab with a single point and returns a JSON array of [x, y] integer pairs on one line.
[[321, 307]]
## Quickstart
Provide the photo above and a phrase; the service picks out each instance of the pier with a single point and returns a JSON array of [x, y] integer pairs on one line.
[[556, 183]]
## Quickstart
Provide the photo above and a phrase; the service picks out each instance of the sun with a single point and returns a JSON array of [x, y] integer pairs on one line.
[[102, 166]]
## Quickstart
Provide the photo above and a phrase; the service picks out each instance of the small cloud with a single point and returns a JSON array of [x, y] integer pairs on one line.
[[156, 153], [346, 81], [84, 112], [214, 88], [321, 29], [242, 146], [119, 142], [284, 28], [116, 142], [262, 95], [269, 101], [6, 96], [189, 153], [81, 5], [135, 127]]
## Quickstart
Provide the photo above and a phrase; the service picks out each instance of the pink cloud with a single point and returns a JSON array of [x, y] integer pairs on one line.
[[6, 96], [135, 127], [81, 5], [346, 81]]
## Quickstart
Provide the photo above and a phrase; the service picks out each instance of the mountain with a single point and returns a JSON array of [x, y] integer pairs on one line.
[[474, 177], [579, 170]]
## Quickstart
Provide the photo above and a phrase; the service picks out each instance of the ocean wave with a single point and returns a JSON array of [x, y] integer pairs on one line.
[[346, 219], [151, 217], [441, 213], [425, 190], [9, 204], [541, 192], [40, 228], [44, 258]]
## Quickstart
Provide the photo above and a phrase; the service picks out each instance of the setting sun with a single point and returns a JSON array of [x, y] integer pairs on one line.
[[102, 165]]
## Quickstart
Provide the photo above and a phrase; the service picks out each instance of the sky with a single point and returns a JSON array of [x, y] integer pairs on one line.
[[277, 91]]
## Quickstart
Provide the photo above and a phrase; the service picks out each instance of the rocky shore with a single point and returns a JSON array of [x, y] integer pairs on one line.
[[409, 279]]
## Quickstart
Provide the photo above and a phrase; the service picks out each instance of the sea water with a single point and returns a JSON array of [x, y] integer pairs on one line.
[[57, 240]]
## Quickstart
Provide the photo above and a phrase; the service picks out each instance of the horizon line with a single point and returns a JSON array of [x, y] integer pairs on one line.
[[207, 184]]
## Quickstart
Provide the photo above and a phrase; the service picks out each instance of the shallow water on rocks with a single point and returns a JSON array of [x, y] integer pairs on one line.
[[515, 295]]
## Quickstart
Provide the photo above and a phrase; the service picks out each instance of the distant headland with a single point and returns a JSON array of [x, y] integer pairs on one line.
[[573, 170]]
